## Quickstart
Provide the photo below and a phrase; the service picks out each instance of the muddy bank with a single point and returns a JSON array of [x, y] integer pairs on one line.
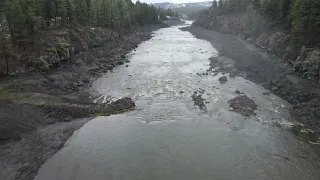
[[239, 58], [38, 110], [31, 134]]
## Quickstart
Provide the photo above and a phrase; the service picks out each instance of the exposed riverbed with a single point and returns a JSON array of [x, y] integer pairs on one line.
[[168, 137]]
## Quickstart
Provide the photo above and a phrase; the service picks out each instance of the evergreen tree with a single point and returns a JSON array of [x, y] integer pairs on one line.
[[3, 40], [60, 12], [221, 4], [70, 11], [214, 4], [48, 11], [81, 11], [4, 48], [305, 22], [256, 4], [23, 18]]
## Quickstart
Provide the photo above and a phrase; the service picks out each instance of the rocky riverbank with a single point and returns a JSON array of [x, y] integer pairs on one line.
[[39, 106], [252, 27], [240, 58]]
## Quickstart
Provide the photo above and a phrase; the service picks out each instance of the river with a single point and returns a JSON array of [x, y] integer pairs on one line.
[[167, 137]]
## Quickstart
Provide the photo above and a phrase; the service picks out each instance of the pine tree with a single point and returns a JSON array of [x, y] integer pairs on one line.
[[47, 11], [214, 4], [88, 2], [3, 39], [4, 47], [93, 13], [25, 17], [300, 19], [70, 11], [221, 4], [256, 4], [314, 23], [81, 11], [60, 12]]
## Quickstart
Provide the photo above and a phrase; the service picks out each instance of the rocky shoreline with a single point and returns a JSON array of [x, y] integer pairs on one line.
[[255, 29], [239, 58], [38, 110]]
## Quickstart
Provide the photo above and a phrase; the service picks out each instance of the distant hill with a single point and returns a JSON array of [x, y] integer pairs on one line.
[[185, 8], [168, 5]]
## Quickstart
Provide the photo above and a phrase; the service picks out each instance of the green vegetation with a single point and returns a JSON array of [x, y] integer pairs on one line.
[[306, 22], [300, 17], [22, 20]]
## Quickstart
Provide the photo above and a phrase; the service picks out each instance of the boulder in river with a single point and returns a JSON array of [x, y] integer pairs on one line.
[[198, 100], [244, 105], [109, 67], [120, 62], [223, 79], [267, 93]]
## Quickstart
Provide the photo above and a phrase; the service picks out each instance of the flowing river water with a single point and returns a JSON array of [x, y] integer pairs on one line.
[[167, 137]]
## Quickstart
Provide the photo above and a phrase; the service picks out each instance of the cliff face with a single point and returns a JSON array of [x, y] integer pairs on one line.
[[254, 28]]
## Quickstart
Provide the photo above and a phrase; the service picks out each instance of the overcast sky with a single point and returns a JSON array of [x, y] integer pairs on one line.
[[172, 1]]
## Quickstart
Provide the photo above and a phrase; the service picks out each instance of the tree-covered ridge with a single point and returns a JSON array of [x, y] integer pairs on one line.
[[300, 17], [22, 20], [23, 17]]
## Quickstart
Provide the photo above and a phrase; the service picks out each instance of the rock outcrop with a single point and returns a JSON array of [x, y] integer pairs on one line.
[[63, 44], [308, 62]]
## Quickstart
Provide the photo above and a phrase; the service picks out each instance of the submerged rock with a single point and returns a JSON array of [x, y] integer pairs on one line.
[[222, 63], [109, 67], [266, 93], [120, 62], [198, 100], [244, 105], [223, 79]]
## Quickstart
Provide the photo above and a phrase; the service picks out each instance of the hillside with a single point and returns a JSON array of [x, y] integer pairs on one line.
[[38, 34], [287, 28], [185, 8]]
